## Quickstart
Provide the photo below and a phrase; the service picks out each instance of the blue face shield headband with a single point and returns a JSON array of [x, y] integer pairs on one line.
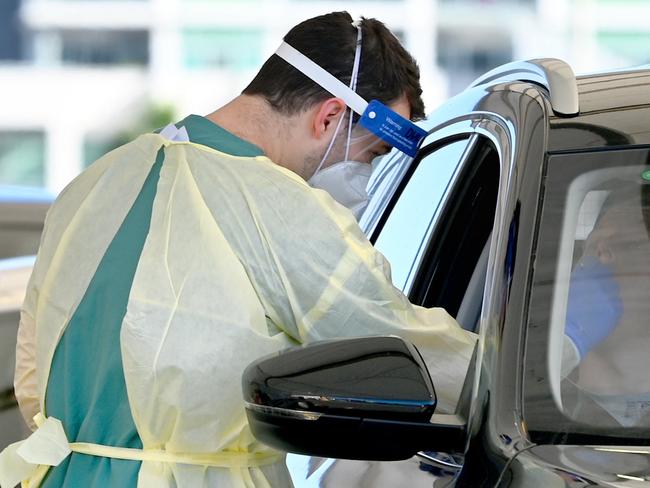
[[376, 117]]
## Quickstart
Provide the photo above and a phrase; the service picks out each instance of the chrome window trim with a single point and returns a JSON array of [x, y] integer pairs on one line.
[[502, 135], [379, 201]]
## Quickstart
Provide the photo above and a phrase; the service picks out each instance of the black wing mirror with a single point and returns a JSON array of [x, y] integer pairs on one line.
[[368, 398]]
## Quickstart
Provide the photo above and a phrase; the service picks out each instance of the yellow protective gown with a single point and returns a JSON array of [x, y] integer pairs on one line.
[[242, 258]]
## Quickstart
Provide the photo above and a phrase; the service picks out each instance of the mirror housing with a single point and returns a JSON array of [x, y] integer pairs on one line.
[[368, 398]]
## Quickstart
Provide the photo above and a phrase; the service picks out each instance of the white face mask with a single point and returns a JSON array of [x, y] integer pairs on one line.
[[346, 182]]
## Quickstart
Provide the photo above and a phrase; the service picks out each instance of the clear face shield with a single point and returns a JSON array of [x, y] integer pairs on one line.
[[345, 168]]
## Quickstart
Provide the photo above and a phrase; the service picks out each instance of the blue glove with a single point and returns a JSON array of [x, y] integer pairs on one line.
[[595, 305]]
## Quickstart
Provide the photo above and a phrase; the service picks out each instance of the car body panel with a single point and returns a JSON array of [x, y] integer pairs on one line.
[[578, 466], [311, 472], [14, 273], [22, 214], [517, 118], [614, 111]]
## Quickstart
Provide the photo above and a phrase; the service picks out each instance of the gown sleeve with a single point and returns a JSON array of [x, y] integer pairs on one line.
[[319, 277]]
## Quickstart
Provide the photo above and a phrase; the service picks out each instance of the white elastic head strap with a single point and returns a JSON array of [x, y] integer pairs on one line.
[[330, 83], [353, 83], [330, 145], [317, 74]]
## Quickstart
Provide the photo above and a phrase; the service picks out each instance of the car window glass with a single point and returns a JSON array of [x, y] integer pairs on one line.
[[404, 231], [22, 213], [591, 289], [19, 240], [607, 296], [453, 271]]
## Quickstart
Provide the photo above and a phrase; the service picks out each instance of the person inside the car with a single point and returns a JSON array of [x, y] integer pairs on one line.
[[612, 279], [177, 259]]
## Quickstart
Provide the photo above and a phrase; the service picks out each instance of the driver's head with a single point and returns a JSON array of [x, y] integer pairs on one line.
[[620, 240], [621, 235]]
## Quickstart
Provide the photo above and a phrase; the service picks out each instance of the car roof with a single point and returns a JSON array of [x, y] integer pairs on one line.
[[605, 109], [612, 90], [614, 112]]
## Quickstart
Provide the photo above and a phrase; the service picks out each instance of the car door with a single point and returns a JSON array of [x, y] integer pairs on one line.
[[429, 217], [446, 264], [436, 233]]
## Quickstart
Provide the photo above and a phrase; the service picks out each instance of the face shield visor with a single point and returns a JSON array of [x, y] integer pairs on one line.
[[345, 169]]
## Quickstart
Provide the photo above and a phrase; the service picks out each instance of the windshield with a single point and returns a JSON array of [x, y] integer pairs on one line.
[[589, 311]]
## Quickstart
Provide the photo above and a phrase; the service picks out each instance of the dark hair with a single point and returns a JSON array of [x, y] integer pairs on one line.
[[386, 73]]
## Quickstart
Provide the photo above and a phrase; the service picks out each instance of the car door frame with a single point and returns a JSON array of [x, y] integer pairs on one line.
[[496, 427], [518, 133], [508, 116]]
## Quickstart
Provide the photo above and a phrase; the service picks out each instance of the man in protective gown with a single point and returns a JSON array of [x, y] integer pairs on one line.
[[177, 259]]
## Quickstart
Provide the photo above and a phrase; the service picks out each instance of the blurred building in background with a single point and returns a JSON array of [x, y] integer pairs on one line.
[[78, 77]]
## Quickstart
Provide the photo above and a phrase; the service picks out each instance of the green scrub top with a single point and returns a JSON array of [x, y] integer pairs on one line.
[[86, 388]]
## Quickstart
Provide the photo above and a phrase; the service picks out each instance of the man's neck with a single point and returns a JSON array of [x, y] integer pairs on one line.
[[253, 120]]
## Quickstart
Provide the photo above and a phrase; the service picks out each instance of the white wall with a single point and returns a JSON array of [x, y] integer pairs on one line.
[[70, 102]]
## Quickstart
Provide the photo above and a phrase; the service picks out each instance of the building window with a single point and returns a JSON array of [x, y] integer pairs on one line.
[[93, 149], [22, 158], [237, 49], [10, 31], [105, 47], [399, 33], [633, 47]]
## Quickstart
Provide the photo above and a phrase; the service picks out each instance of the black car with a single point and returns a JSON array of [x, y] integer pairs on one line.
[[528, 180]]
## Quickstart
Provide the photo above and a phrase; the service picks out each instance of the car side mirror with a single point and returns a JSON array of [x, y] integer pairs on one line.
[[368, 398]]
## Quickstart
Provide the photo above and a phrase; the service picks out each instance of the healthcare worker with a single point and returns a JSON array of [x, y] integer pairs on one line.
[[174, 261]]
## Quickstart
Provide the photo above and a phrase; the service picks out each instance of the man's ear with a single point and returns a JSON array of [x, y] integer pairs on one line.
[[326, 117]]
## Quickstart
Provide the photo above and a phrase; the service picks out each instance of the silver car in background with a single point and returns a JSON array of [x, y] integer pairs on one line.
[[22, 214]]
